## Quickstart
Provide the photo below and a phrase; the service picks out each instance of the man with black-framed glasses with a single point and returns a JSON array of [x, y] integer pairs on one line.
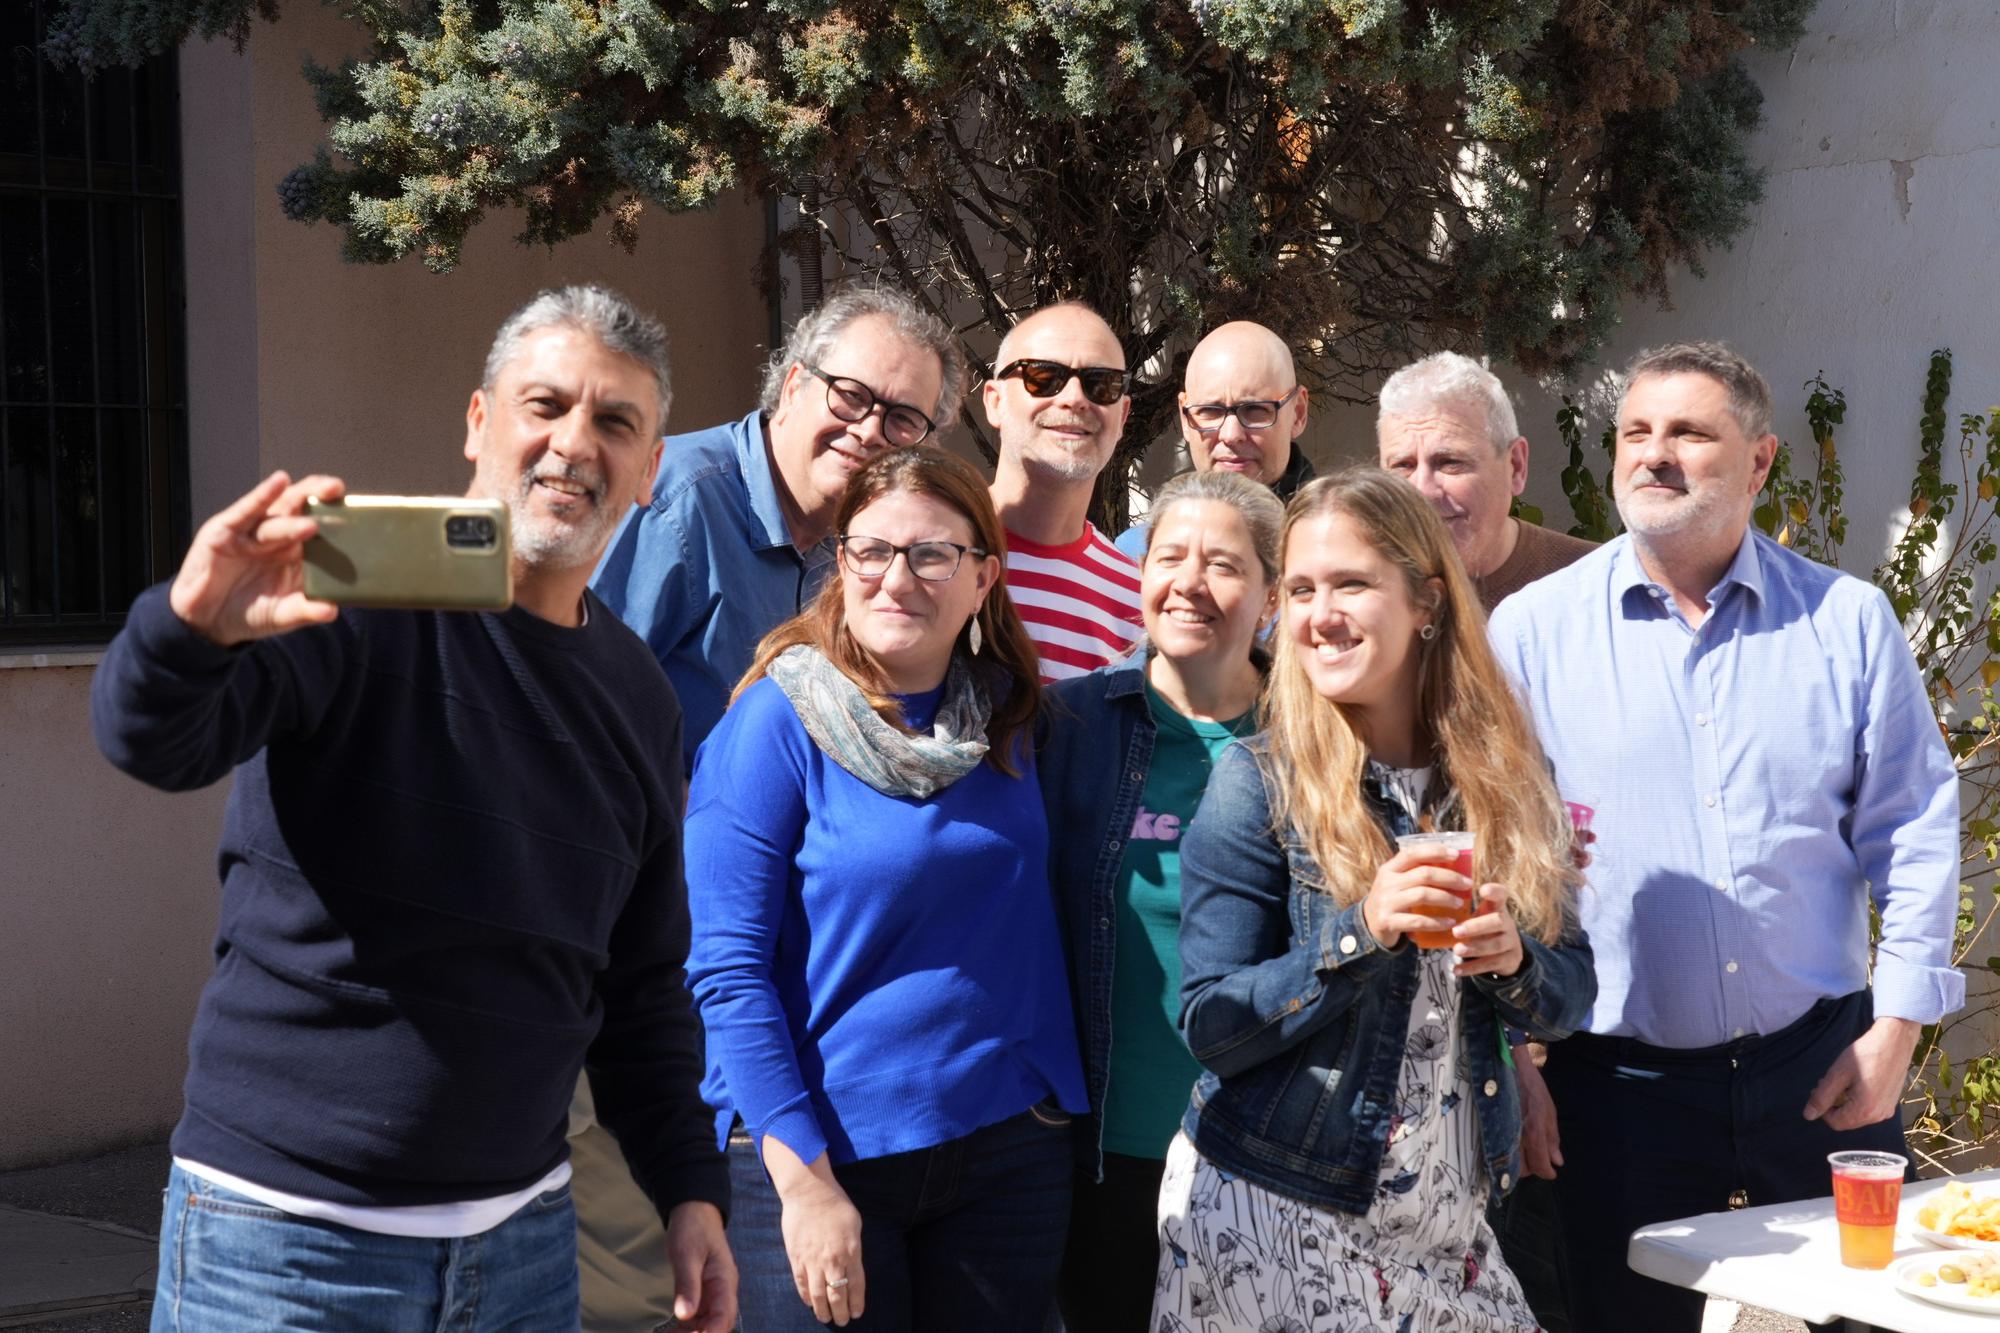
[[1058, 399], [737, 537], [1241, 409]]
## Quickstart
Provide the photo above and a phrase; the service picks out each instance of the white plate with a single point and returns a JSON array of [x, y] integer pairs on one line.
[[1949, 1242], [1951, 1295]]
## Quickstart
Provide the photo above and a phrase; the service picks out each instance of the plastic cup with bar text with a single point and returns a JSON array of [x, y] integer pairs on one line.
[[1867, 1188], [1445, 849]]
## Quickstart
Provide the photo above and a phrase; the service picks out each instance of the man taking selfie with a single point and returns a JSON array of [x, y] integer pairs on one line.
[[451, 878]]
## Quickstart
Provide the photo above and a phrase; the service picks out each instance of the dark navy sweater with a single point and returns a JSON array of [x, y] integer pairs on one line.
[[451, 874]]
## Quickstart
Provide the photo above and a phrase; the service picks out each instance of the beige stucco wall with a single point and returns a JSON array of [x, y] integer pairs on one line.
[[108, 911], [295, 360]]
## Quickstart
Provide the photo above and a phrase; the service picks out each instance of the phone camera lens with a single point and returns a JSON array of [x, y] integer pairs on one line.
[[470, 530]]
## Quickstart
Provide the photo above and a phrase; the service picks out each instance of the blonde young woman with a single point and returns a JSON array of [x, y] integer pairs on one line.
[[1356, 1107]]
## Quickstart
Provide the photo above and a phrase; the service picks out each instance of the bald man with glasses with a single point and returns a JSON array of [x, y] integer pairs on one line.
[[1242, 409]]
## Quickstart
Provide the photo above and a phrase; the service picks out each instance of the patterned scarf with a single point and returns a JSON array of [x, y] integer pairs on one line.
[[892, 761]]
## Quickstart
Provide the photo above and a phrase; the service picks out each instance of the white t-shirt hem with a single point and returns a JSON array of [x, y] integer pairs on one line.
[[423, 1221]]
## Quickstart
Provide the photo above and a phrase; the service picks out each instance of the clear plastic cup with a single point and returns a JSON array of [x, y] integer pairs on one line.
[[1867, 1190], [1454, 850]]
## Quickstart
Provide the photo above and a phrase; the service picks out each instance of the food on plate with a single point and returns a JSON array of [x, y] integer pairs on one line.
[[1957, 1211], [1977, 1273]]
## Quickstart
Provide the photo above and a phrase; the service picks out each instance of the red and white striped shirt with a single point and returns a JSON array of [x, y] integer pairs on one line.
[[1079, 601]]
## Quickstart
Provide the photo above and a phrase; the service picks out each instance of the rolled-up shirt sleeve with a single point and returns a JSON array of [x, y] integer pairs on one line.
[[1905, 832]]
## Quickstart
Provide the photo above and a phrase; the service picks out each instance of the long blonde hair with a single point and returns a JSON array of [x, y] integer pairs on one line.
[[1481, 739]]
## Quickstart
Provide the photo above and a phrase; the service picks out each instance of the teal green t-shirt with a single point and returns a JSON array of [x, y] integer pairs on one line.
[[1151, 1070]]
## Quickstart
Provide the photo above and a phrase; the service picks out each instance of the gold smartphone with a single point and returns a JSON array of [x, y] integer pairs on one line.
[[429, 553]]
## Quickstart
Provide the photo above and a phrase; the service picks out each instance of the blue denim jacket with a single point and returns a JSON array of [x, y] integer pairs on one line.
[[1096, 751], [1300, 1016]]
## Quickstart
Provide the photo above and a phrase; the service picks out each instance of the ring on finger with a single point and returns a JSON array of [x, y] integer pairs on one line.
[[836, 1286]]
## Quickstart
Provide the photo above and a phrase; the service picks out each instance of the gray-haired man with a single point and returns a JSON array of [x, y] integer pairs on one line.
[[1767, 767], [735, 541], [1447, 425], [451, 879], [738, 534]]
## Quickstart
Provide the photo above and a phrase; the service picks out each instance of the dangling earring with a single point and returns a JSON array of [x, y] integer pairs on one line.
[[1427, 633], [976, 639]]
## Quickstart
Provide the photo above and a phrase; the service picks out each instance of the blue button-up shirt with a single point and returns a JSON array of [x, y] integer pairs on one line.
[[1756, 780], [708, 567]]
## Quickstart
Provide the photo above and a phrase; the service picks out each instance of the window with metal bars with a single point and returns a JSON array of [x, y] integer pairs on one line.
[[93, 414]]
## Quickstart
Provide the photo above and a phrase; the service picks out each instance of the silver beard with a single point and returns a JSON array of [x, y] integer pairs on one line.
[[542, 542], [1697, 514]]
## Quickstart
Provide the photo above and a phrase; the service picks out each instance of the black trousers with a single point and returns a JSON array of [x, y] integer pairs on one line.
[[964, 1236], [1651, 1134], [1531, 1242], [1112, 1258]]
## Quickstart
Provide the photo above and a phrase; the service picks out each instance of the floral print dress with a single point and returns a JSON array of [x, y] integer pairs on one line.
[[1238, 1258]]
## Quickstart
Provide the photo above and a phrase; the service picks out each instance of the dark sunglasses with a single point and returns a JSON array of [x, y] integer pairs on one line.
[[1045, 379]]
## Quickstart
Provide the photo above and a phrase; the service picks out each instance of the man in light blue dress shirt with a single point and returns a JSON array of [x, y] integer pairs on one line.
[[1764, 762]]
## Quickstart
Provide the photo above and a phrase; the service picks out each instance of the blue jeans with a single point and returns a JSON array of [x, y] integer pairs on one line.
[[232, 1265], [966, 1236]]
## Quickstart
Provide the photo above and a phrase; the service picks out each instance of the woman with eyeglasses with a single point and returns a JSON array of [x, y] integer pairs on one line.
[[1123, 768], [1356, 1106], [876, 952]]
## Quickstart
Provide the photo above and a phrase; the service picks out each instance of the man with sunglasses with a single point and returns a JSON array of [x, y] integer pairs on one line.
[[1057, 397], [736, 539], [1242, 409]]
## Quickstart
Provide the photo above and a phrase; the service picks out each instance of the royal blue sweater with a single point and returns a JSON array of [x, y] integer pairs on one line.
[[876, 973], [450, 868]]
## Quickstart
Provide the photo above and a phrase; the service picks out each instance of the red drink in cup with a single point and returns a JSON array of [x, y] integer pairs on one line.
[[1867, 1188], [1454, 850]]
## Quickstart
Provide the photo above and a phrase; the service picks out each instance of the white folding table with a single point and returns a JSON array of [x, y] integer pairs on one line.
[[1786, 1257]]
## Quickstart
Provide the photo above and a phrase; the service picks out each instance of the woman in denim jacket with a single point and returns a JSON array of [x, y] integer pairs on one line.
[[1123, 768], [1357, 1108]]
